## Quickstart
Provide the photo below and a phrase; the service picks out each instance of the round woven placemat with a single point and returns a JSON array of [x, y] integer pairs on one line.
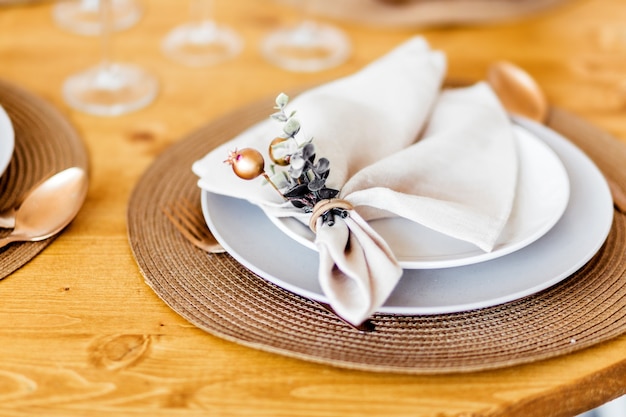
[[19, 2], [45, 143], [421, 13], [217, 294]]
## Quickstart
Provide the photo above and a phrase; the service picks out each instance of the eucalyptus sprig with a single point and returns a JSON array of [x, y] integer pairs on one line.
[[305, 179], [295, 174]]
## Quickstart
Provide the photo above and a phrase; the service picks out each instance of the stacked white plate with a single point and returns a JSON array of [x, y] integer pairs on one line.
[[7, 140], [562, 216]]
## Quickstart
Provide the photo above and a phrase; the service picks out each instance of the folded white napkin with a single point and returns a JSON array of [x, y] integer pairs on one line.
[[397, 146]]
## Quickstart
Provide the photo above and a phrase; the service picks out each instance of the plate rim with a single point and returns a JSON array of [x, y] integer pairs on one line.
[[477, 256], [7, 139], [600, 187]]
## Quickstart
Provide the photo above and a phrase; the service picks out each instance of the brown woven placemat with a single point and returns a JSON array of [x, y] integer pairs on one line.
[[45, 143], [217, 294], [420, 13], [19, 2]]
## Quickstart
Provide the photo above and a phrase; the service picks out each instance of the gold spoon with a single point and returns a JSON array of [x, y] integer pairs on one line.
[[50, 207], [40, 192], [517, 90], [520, 94]]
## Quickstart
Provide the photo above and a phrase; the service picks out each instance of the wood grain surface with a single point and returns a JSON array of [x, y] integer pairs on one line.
[[82, 335]]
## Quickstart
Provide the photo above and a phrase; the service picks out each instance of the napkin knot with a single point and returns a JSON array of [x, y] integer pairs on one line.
[[327, 209]]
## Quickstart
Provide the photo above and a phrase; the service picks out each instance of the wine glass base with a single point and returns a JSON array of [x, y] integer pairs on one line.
[[83, 17], [110, 90], [308, 47], [201, 45]]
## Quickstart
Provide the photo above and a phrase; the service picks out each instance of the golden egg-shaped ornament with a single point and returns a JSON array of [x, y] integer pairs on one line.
[[284, 161], [247, 163]]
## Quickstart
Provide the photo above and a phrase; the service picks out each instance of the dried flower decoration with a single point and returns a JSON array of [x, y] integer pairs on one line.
[[248, 164], [296, 174]]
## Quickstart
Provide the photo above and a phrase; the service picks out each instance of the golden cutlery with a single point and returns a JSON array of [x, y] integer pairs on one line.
[[520, 94], [190, 223], [44, 193], [47, 211]]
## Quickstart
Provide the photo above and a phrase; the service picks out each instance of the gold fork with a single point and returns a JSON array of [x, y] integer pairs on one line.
[[189, 221]]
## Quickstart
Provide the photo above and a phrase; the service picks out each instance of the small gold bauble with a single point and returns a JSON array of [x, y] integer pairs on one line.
[[247, 163], [284, 161]]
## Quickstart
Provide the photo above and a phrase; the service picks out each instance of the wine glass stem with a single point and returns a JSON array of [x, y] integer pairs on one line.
[[305, 29], [105, 35], [90, 5], [306, 12], [201, 11]]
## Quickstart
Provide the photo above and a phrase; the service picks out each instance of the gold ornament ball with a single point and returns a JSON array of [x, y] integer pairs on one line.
[[284, 161], [247, 163]]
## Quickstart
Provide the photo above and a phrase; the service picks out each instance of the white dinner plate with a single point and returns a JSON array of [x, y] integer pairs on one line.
[[7, 140], [541, 198], [254, 241]]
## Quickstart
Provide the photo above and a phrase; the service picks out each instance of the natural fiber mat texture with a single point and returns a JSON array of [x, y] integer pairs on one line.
[[45, 143], [420, 13], [217, 294], [18, 2]]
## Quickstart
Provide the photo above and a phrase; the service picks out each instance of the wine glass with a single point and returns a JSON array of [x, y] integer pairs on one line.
[[111, 88], [83, 16], [200, 41], [308, 46]]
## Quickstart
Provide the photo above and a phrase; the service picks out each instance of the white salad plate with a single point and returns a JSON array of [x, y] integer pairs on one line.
[[541, 198], [7, 140], [255, 241]]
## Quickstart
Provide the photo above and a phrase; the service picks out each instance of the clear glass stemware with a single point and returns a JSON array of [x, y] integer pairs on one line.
[[83, 16], [308, 46], [111, 88], [201, 41]]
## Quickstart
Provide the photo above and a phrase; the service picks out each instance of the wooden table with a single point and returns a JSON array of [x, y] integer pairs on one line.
[[82, 334]]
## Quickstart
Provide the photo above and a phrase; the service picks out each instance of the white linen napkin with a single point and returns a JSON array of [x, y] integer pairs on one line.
[[397, 146]]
